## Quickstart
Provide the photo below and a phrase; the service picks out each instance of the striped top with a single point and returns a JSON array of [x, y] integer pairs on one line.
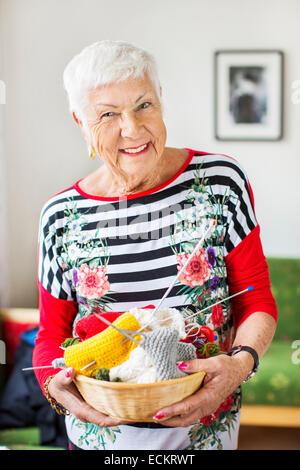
[[116, 253], [136, 238]]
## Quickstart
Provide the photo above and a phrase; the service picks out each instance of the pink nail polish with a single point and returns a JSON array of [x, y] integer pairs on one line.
[[159, 416], [182, 365], [69, 372]]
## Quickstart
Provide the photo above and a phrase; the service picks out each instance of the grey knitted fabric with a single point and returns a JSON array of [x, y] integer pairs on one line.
[[163, 347], [185, 352]]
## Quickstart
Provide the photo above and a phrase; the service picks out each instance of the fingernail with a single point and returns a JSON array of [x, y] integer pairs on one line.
[[182, 365], [159, 416], [69, 372]]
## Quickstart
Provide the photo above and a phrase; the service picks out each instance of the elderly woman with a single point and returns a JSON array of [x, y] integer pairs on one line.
[[116, 238]]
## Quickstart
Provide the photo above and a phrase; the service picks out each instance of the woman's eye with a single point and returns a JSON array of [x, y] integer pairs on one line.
[[145, 105], [107, 115]]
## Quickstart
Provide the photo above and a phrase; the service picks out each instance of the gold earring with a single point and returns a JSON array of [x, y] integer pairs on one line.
[[92, 153]]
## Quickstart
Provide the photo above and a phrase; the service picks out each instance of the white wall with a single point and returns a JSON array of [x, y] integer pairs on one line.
[[4, 281], [44, 149], [4, 263]]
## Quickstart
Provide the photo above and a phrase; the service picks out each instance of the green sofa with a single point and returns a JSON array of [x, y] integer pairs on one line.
[[277, 382], [274, 391], [22, 439]]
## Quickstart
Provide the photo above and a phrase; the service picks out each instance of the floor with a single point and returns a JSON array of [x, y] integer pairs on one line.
[[267, 438]]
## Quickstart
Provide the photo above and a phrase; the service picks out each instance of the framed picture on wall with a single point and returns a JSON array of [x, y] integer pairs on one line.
[[248, 94]]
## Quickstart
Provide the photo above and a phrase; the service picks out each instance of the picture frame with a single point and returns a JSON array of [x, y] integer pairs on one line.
[[248, 95]]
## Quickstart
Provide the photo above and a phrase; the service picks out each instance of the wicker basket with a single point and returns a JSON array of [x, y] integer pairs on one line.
[[136, 402]]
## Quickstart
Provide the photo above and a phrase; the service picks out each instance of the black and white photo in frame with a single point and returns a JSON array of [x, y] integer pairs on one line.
[[248, 95]]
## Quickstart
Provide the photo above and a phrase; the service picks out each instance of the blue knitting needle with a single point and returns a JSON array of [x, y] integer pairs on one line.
[[220, 301], [207, 308]]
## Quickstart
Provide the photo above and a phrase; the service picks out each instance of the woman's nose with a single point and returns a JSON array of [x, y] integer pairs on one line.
[[129, 125]]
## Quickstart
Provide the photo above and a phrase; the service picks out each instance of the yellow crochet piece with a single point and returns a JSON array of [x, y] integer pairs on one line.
[[106, 348]]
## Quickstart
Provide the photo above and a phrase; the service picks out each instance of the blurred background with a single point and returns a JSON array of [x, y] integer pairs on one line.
[[42, 150]]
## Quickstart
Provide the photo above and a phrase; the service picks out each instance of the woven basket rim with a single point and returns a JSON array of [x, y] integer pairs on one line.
[[127, 385]]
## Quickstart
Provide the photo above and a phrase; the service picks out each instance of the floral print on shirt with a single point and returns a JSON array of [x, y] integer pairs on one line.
[[84, 261], [204, 282]]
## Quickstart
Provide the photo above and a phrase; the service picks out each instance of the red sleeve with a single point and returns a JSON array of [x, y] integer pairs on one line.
[[56, 320], [247, 266]]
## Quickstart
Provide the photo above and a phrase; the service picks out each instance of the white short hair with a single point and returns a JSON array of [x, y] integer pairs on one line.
[[102, 63]]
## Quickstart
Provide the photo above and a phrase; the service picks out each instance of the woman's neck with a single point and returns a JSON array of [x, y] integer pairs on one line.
[[104, 182]]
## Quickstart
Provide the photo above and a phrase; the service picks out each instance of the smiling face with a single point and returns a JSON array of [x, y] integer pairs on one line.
[[127, 129]]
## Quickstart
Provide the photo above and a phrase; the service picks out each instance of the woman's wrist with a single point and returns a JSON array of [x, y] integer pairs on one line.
[[60, 409], [245, 364]]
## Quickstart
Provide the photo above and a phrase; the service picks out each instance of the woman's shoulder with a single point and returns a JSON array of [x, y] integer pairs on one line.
[[214, 157], [219, 165], [56, 204]]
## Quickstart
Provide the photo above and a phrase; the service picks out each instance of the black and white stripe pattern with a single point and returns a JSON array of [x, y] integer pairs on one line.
[[142, 264]]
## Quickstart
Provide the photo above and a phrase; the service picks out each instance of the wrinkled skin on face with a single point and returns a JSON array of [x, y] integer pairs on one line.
[[122, 116]]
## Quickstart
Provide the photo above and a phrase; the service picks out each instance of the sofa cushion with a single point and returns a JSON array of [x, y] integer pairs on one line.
[[285, 275], [277, 381], [23, 439]]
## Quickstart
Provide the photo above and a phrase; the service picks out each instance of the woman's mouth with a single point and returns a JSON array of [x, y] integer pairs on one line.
[[133, 151]]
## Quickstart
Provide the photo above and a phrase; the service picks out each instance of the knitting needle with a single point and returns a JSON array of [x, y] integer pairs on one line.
[[182, 269], [122, 331], [88, 365], [209, 307], [38, 367], [179, 274], [58, 363], [219, 302], [48, 367]]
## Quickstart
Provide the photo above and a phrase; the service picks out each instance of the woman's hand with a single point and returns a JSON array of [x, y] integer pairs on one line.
[[223, 375], [62, 388]]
